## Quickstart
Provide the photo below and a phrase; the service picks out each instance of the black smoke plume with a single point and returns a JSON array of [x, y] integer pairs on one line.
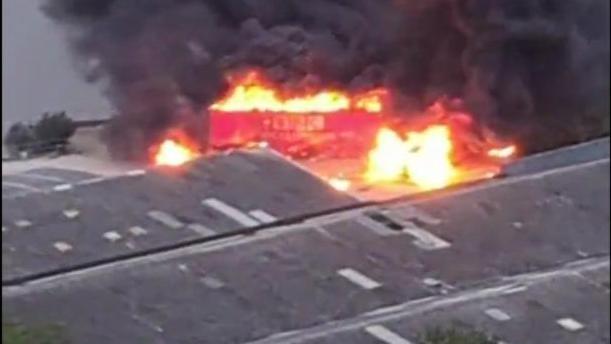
[[537, 70]]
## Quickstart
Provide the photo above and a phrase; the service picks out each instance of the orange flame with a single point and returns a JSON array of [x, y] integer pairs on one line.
[[425, 158], [175, 150], [254, 93], [340, 184], [503, 152]]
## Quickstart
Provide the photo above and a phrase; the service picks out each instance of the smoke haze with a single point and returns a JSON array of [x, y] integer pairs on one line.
[[534, 69]]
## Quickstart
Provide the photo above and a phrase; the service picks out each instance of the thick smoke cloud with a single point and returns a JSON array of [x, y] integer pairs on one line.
[[538, 69]]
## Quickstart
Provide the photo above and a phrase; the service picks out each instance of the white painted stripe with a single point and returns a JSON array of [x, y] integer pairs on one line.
[[112, 236], [137, 231], [41, 177], [62, 247], [424, 239], [231, 212], [497, 314], [134, 173], [358, 278], [263, 216], [71, 213], [386, 335], [62, 187], [165, 219], [201, 229], [23, 223], [21, 186], [570, 324]]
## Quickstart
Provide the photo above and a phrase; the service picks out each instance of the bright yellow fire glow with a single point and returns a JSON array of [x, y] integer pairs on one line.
[[340, 184], [424, 158], [254, 93], [172, 153], [502, 153]]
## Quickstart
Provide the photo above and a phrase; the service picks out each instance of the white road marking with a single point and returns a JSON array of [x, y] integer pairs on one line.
[[4, 229], [71, 213], [62, 247], [497, 314], [263, 216], [358, 278], [21, 186], [386, 335], [137, 231], [134, 173], [231, 212], [201, 229], [424, 239], [165, 219], [62, 187], [112, 236], [41, 177], [212, 283], [23, 223], [570, 324]]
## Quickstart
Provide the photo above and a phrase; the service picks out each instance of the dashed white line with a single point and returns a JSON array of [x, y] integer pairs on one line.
[[42, 177], [71, 213], [230, 211], [424, 239], [497, 314], [263, 216], [385, 335], [134, 173], [62, 247], [137, 231], [570, 324], [112, 236], [358, 278], [201, 229], [62, 187], [165, 219], [23, 223], [21, 186]]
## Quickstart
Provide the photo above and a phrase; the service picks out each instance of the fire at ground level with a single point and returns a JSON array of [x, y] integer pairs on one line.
[[430, 150]]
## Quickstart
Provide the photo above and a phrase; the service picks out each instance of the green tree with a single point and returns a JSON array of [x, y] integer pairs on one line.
[[54, 129], [19, 138]]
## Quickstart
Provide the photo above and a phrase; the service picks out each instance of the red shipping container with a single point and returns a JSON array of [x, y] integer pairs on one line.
[[339, 134]]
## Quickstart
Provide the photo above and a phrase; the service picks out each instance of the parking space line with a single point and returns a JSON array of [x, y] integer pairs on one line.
[[201, 229], [570, 324], [497, 314], [62, 187], [230, 211], [386, 335], [21, 186], [425, 239], [41, 177], [165, 219], [358, 278], [263, 216]]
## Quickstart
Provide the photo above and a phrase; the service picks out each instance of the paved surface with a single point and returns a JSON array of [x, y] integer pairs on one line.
[[104, 218], [533, 247], [41, 180], [572, 155]]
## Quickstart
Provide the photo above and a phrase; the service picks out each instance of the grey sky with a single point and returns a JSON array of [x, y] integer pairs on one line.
[[37, 74]]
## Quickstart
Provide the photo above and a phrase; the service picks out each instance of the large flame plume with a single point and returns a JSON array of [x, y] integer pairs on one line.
[[445, 151], [254, 93]]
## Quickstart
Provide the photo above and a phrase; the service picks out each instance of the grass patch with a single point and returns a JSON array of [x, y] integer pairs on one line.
[[455, 335], [20, 334]]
